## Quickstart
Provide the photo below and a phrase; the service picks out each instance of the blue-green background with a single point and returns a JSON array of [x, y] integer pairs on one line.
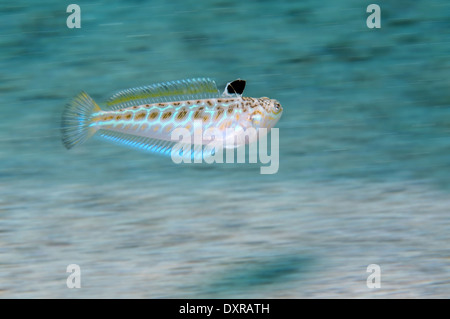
[[364, 152]]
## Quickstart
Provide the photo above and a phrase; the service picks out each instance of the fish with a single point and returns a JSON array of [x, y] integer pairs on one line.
[[145, 117]]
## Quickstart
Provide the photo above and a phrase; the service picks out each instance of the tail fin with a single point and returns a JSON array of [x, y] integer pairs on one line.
[[76, 118]]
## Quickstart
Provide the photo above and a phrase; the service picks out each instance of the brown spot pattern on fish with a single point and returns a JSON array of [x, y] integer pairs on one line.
[[198, 114], [219, 113], [140, 116], [181, 114], [153, 115], [166, 115]]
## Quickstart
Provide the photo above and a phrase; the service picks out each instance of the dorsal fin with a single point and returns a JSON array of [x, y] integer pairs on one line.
[[188, 89], [235, 88]]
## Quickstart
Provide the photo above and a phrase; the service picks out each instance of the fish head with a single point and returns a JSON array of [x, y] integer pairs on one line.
[[266, 113]]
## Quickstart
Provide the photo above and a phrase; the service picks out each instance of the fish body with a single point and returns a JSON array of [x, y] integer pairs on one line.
[[146, 117]]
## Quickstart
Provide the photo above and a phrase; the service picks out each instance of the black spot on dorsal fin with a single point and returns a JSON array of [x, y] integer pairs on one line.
[[236, 87]]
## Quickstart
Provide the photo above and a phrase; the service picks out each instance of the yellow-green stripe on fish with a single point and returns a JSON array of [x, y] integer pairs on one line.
[[145, 117]]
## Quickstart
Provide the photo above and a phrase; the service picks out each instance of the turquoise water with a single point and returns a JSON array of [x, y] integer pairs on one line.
[[364, 152]]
